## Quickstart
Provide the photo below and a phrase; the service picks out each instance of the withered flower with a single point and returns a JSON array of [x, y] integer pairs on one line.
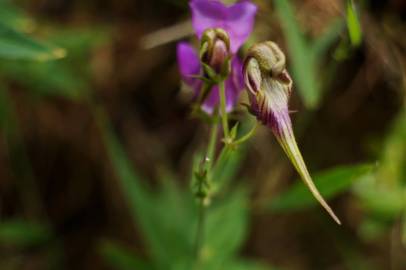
[[269, 87]]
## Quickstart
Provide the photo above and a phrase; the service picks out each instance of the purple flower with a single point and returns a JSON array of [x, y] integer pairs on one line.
[[237, 20], [190, 68], [269, 88]]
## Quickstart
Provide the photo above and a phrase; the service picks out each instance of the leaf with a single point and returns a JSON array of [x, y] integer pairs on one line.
[[166, 224], [388, 183], [390, 203], [226, 227], [168, 216], [392, 169], [53, 78], [353, 24], [68, 77], [226, 167], [15, 45], [330, 183], [14, 17], [303, 65], [23, 234], [121, 258]]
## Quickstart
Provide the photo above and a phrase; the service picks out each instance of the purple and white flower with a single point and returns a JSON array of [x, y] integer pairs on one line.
[[190, 67], [236, 21]]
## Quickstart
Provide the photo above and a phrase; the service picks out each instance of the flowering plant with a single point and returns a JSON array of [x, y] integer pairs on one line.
[[215, 74]]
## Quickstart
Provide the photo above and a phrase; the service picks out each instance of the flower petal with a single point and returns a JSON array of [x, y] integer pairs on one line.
[[207, 14], [240, 22], [189, 64], [237, 20]]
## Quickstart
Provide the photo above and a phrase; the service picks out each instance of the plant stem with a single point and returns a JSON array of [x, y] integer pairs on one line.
[[212, 144], [223, 109], [208, 162], [246, 136], [200, 230]]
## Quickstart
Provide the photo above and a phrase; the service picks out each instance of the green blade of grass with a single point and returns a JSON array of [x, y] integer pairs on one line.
[[353, 24], [16, 45], [302, 62]]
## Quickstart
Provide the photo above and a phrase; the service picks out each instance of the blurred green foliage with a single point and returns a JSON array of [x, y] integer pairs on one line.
[[168, 218], [383, 195], [17, 45], [353, 24], [38, 67], [66, 77], [330, 183], [306, 56], [167, 215], [23, 234]]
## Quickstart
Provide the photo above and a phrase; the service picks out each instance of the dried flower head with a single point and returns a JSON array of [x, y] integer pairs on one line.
[[269, 88]]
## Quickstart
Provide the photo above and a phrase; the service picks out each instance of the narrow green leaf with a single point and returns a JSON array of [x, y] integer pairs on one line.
[[166, 224], [330, 183], [51, 78], [353, 24], [22, 234], [226, 226], [14, 17], [121, 258], [303, 64], [15, 45], [68, 77]]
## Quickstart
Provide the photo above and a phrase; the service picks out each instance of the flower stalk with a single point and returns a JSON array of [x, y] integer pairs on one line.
[[223, 111]]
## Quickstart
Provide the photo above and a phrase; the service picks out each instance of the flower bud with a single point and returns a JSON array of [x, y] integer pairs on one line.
[[269, 87], [215, 52]]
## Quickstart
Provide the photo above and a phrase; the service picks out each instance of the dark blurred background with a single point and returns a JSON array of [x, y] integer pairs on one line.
[[61, 198]]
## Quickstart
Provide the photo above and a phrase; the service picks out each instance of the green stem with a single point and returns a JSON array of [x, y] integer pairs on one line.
[[212, 144], [246, 136], [223, 109], [209, 160]]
